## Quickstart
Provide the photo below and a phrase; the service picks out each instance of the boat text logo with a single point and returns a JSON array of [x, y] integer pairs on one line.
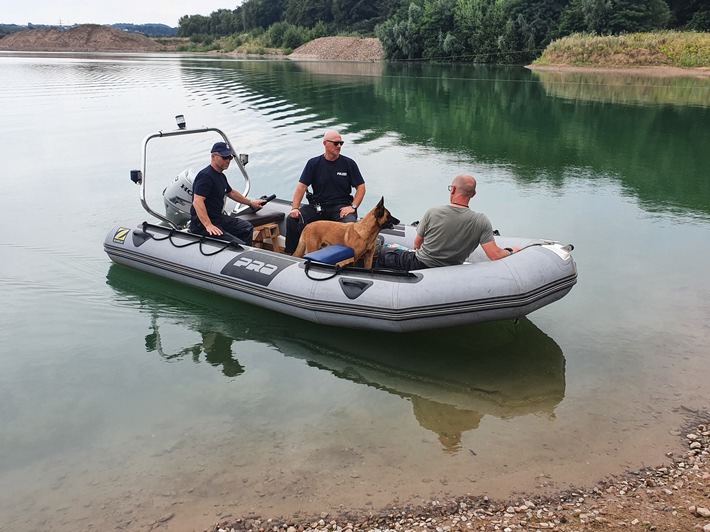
[[119, 237], [256, 267]]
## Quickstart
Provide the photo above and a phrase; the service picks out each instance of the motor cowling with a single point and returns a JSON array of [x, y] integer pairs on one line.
[[177, 197]]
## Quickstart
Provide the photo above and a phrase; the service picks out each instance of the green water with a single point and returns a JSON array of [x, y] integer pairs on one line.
[[125, 398]]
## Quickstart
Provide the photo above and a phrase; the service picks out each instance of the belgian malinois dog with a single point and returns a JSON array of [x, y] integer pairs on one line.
[[360, 235]]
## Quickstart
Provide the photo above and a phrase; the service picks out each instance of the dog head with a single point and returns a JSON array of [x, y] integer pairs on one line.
[[384, 217]]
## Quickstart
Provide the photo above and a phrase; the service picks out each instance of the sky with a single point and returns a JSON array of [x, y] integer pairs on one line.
[[70, 12]]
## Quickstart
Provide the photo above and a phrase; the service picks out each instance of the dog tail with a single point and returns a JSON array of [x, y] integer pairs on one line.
[[300, 249]]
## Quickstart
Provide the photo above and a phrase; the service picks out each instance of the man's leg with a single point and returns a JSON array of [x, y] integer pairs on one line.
[[294, 227], [238, 228], [399, 259], [333, 213]]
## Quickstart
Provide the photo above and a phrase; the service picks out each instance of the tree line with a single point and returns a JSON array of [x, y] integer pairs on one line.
[[481, 31]]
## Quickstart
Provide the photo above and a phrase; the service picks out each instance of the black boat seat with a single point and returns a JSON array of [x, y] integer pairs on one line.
[[261, 217]]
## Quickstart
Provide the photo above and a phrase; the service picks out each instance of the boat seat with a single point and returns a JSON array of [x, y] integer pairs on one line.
[[262, 217], [268, 231], [337, 255]]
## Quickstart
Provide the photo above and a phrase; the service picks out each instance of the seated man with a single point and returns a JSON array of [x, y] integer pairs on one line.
[[447, 234], [209, 189], [332, 176]]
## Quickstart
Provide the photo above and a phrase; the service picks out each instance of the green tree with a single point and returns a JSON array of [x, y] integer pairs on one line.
[[610, 17], [190, 25], [400, 36], [307, 13], [254, 14], [530, 26], [630, 16]]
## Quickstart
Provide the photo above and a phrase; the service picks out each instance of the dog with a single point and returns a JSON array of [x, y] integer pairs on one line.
[[360, 235]]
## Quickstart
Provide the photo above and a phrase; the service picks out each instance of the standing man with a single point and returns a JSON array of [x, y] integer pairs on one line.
[[447, 234], [208, 192], [332, 176]]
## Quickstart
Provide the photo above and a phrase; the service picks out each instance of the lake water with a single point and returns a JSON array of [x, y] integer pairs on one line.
[[126, 399]]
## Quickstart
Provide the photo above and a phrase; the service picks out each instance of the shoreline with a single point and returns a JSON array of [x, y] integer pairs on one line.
[[650, 71], [667, 497]]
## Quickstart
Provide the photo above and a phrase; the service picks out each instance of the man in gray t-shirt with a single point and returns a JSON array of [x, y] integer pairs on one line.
[[446, 235]]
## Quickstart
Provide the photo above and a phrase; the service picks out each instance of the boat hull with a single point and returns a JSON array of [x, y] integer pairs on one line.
[[478, 291]]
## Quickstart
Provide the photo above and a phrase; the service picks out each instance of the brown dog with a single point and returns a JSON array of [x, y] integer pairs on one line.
[[360, 235]]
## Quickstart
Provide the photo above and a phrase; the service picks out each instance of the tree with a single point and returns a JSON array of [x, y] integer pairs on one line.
[[254, 14], [307, 13], [530, 26], [610, 17], [190, 25]]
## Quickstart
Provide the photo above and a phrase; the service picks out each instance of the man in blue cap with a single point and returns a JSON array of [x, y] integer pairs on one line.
[[208, 191]]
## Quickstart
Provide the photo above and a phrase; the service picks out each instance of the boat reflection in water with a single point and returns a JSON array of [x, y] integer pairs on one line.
[[453, 377]]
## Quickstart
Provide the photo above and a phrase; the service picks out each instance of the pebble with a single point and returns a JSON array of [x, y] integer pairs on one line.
[[573, 508]]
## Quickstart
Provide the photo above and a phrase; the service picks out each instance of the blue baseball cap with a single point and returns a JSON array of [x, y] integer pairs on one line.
[[222, 148]]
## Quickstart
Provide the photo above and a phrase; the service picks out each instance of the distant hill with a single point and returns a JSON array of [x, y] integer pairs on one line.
[[151, 30], [83, 38]]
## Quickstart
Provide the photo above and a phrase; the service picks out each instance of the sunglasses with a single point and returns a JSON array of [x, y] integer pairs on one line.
[[336, 142], [227, 158]]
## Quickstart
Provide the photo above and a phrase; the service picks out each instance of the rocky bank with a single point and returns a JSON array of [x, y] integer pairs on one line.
[[670, 497]]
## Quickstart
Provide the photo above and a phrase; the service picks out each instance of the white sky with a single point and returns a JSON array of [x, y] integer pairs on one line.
[[71, 12]]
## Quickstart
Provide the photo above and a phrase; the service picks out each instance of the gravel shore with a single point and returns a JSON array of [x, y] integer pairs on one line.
[[670, 497]]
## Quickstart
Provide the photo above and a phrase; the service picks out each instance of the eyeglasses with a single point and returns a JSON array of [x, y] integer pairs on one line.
[[227, 158], [336, 142], [450, 187]]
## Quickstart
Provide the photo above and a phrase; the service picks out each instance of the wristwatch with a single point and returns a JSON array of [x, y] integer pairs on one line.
[[353, 206]]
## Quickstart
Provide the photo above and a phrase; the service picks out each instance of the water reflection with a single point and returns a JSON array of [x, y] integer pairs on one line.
[[452, 378], [615, 87], [648, 138], [216, 347]]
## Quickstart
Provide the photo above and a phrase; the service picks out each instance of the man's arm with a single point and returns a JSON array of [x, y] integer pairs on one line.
[[359, 194], [493, 252], [357, 201], [239, 198], [199, 203], [297, 199]]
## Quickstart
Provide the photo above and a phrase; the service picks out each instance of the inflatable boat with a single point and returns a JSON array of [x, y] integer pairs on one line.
[[325, 287]]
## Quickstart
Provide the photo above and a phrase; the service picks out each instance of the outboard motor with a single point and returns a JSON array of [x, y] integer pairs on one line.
[[177, 197]]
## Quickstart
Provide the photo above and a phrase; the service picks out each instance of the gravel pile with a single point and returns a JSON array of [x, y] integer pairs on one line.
[[671, 497], [84, 38], [340, 49]]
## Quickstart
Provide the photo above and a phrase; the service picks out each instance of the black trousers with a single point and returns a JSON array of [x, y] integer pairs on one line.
[[233, 230], [399, 259]]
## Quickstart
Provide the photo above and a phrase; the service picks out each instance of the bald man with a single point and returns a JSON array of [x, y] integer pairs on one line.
[[332, 177], [446, 235]]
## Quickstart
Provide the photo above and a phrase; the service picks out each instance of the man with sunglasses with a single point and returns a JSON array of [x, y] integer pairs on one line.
[[446, 235], [209, 188], [332, 177]]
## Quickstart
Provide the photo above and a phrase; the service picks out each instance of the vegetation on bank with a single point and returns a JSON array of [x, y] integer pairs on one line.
[[279, 38], [663, 48], [473, 31]]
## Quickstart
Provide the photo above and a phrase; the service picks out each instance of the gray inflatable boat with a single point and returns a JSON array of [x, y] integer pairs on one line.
[[477, 291]]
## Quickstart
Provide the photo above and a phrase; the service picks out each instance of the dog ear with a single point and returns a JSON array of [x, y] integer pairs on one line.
[[380, 207]]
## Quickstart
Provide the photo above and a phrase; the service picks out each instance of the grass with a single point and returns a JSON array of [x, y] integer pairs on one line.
[[662, 48], [242, 44]]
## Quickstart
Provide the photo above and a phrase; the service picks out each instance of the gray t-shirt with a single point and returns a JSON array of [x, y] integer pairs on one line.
[[451, 234]]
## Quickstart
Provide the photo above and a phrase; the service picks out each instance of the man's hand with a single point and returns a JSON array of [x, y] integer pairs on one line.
[[213, 230], [344, 211]]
